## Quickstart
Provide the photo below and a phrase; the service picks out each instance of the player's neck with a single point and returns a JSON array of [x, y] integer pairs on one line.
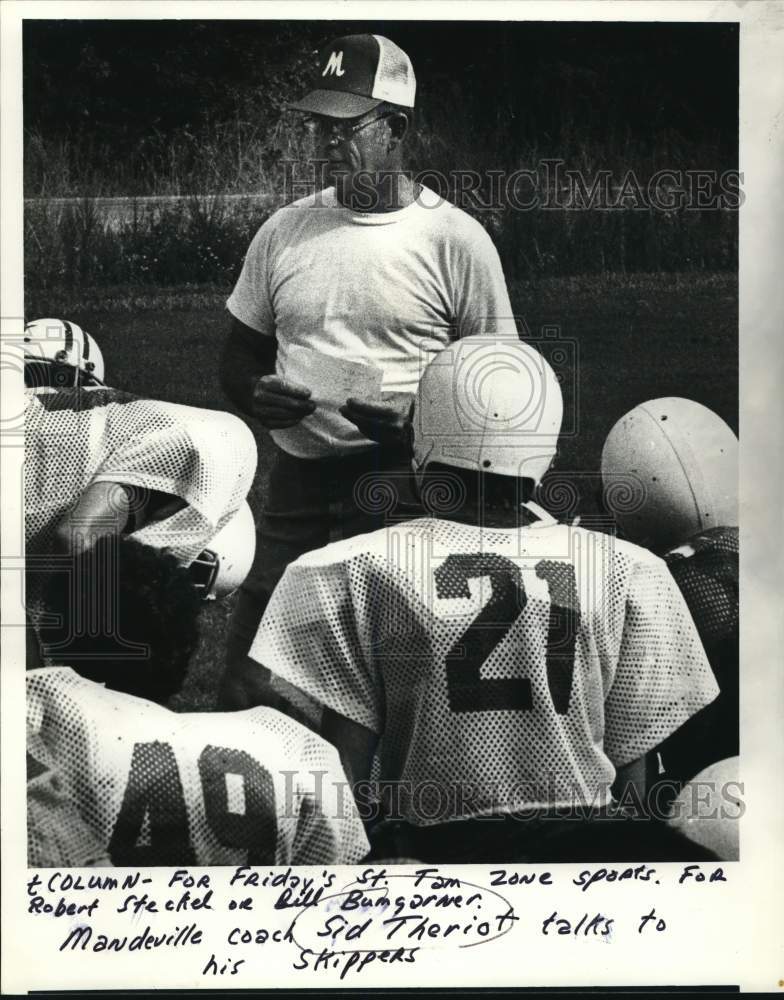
[[491, 517]]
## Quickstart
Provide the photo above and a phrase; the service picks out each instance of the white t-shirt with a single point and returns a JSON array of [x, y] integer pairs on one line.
[[514, 668], [148, 786], [387, 289]]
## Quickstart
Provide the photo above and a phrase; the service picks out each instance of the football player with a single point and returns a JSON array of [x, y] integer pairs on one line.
[[137, 784], [102, 461], [677, 464], [494, 669], [116, 778]]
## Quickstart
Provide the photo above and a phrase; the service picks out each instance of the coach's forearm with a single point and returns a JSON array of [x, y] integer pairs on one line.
[[247, 356]]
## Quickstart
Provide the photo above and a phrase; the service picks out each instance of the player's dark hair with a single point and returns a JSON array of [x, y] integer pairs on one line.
[[447, 490], [127, 616]]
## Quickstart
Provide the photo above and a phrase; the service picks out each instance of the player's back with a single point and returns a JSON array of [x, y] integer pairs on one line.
[[155, 787], [501, 668], [77, 436], [64, 431], [706, 571]]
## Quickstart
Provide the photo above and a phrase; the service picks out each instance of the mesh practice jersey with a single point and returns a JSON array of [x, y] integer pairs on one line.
[[57, 836], [156, 787], [706, 570], [75, 437], [510, 667]]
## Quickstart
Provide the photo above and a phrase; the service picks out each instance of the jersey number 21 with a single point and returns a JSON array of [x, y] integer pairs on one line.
[[468, 691]]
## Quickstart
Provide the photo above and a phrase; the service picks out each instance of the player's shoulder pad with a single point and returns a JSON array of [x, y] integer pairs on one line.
[[620, 548], [718, 541], [217, 423], [82, 398], [49, 677], [282, 728], [372, 544], [62, 682], [45, 683], [287, 743]]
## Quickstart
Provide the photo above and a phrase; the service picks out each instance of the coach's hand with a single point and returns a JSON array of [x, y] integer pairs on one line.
[[278, 403], [384, 422]]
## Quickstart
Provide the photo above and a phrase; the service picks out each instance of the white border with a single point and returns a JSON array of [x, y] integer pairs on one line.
[[740, 932]]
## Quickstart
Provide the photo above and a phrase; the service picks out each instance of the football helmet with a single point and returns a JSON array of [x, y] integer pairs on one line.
[[708, 808], [60, 353], [220, 569], [491, 404], [673, 466]]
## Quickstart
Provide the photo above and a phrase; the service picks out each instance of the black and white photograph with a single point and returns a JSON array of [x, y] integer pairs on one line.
[[381, 444]]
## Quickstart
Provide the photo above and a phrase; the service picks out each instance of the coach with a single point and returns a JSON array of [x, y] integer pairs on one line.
[[374, 269]]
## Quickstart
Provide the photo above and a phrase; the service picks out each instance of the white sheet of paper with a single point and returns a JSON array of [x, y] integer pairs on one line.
[[332, 380]]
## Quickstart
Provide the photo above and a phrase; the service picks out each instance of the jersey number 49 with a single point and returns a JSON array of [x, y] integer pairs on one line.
[[155, 793]]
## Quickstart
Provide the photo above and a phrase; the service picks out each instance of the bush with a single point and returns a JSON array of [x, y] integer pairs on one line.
[[190, 241], [186, 108], [230, 175]]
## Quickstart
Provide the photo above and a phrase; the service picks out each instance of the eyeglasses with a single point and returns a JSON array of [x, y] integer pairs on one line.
[[342, 131]]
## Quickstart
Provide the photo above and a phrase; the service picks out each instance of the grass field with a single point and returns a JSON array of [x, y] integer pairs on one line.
[[632, 337]]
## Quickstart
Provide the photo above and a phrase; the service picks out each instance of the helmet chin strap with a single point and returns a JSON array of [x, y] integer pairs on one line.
[[538, 512]]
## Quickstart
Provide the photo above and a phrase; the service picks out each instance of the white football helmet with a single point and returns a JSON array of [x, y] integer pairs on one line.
[[673, 465], [489, 404], [50, 342], [708, 808], [220, 569]]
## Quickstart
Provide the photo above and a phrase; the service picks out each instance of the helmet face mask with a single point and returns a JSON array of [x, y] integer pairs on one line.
[[490, 405], [204, 572], [222, 567], [60, 354]]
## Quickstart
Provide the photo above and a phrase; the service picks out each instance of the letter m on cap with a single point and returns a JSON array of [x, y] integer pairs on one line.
[[334, 64]]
